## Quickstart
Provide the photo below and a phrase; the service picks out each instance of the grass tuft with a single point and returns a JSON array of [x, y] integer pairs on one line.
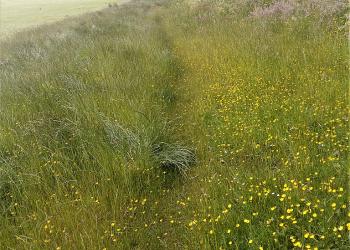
[[174, 157]]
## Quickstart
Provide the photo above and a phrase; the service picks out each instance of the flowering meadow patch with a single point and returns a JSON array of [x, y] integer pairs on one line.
[[178, 125]]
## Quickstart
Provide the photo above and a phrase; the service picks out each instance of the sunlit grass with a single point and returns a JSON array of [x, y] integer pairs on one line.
[[159, 126]]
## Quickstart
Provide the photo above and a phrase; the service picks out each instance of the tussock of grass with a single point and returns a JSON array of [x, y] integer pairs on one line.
[[174, 157], [122, 139]]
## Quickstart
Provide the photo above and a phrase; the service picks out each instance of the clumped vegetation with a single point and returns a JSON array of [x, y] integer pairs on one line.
[[178, 125]]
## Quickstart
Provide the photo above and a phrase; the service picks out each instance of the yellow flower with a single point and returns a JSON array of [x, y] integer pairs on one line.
[[297, 244], [246, 221], [250, 241]]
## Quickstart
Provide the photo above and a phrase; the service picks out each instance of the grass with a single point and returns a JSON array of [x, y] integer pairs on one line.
[[16, 15], [175, 125]]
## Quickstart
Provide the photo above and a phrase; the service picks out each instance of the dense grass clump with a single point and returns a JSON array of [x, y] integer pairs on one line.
[[178, 125], [174, 157]]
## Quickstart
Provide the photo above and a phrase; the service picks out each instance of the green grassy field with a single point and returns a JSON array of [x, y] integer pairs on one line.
[[177, 125], [16, 15]]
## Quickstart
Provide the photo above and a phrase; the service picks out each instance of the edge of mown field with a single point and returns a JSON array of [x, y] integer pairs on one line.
[[9, 34]]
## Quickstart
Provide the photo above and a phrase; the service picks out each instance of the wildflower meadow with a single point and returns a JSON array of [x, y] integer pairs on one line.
[[180, 124]]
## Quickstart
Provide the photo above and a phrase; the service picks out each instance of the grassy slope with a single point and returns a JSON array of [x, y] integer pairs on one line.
[[89, 108]]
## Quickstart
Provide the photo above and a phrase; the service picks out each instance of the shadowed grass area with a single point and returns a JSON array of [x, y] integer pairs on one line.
[[177, 125]]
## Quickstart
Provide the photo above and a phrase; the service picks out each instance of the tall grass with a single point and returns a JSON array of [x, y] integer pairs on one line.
[[176, 125]]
